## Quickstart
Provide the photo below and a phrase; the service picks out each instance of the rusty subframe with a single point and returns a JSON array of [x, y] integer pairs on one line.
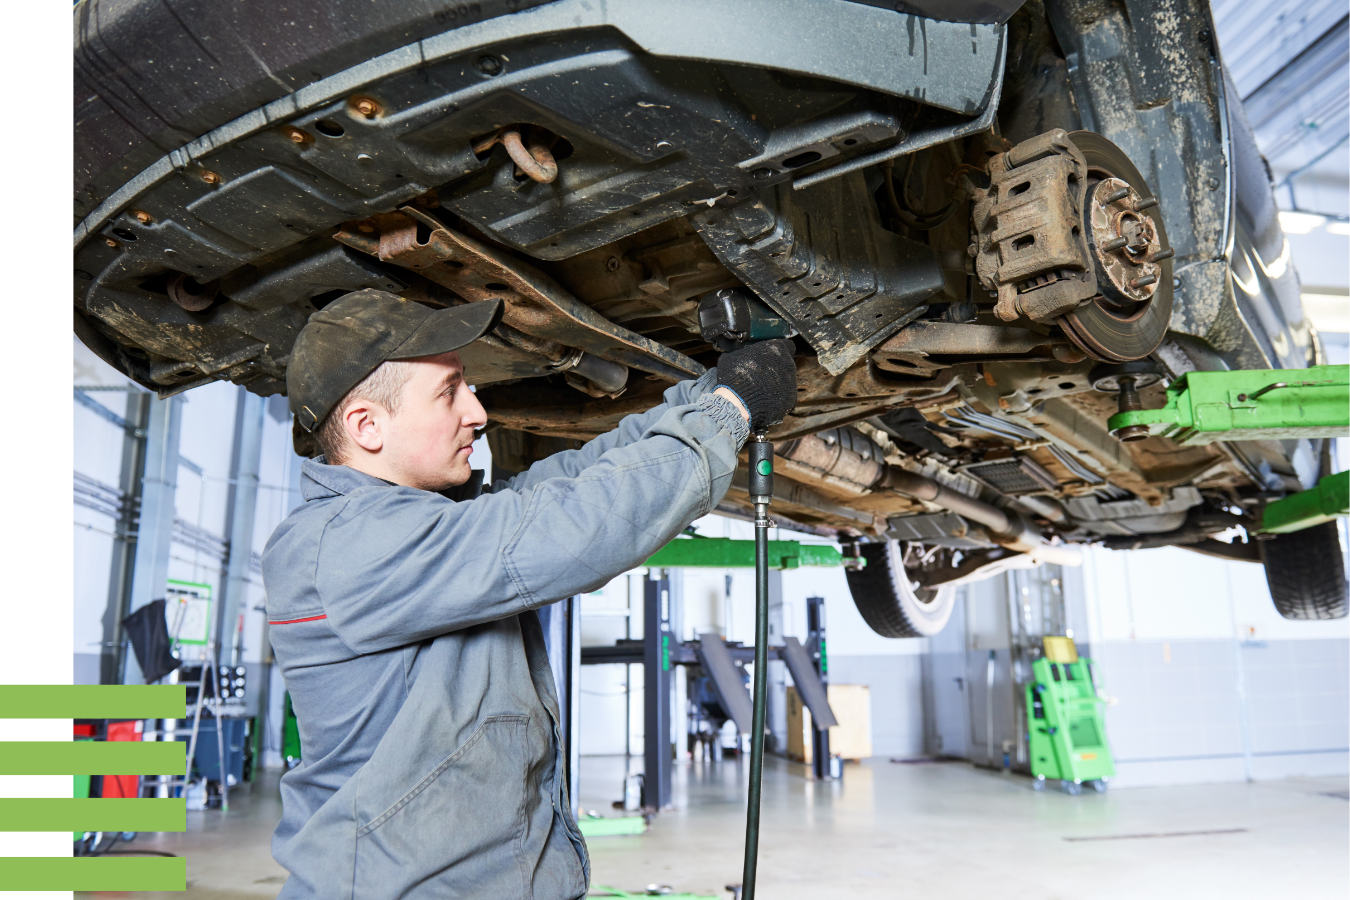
[[540, 316]]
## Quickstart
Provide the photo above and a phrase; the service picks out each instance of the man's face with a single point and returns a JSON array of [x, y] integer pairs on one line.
[[427, 445]]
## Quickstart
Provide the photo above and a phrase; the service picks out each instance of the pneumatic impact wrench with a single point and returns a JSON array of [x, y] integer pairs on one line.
[[761, 492], [730, 319]]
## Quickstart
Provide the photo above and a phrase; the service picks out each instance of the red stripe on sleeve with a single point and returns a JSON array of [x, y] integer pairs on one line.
[[293, 621]]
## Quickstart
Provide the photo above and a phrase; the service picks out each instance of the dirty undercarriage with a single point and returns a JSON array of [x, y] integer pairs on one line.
[[963, 222]]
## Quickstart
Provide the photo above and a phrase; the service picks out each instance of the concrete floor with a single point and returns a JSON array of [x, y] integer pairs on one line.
[[935, 830]]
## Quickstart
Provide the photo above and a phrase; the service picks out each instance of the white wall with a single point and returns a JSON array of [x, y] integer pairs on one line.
[[1207, 682]]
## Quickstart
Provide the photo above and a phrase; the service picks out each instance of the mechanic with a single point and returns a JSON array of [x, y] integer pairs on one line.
[[401, 599]]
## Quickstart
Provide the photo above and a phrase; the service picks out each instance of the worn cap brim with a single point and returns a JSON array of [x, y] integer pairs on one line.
[[451, 328]]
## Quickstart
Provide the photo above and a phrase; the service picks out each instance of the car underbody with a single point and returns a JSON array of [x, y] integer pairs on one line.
[[986, 236]]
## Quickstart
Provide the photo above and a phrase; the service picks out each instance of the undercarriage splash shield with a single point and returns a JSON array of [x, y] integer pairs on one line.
[[821, 259]]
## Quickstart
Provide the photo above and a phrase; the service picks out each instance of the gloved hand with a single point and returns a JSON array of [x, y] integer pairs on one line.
[[763, 377]]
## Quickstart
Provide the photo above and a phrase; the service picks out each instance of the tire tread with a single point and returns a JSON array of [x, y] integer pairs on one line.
[[1305, 571]]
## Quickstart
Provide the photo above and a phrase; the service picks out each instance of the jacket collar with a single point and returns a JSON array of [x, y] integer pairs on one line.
[[319, 480]]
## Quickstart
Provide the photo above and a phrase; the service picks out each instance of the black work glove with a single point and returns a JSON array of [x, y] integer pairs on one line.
[[765, 379]]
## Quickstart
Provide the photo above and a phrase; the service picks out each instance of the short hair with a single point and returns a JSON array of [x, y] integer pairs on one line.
[[383, 386]]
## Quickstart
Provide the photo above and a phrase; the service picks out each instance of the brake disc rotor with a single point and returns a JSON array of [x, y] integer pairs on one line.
[[1128, 318]]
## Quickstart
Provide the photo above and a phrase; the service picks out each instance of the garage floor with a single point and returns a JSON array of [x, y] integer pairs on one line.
[[931, 830]]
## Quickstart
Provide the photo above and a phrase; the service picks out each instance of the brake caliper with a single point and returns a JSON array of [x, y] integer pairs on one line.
[[1031, 242]]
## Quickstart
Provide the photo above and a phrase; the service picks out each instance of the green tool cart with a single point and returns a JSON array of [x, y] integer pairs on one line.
[[1064, 720]]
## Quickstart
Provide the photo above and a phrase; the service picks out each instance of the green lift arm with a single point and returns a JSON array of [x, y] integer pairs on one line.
[[1331, 498], [725, 553], [1261, 404], [1249, 405]]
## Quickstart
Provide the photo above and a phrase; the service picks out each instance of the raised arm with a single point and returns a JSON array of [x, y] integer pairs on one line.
[[399, 565], [570, 463]]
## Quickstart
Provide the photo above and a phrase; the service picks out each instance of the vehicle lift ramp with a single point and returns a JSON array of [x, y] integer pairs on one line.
[[1255, 405], [660, 651]]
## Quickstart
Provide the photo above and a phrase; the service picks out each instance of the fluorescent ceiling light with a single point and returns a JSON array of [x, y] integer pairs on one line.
[[1299, 223], [1327, 312], [1338, 228]]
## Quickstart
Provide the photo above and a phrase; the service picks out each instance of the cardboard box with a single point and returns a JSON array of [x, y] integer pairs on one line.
[[851, 738]]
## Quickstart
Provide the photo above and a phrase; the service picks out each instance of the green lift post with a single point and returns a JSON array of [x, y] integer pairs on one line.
[[1067, 735], [1260, 404]]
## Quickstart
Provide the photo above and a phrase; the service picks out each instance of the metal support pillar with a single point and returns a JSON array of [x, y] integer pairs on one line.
[[815, 646], [250, 411], [656, 686], [154, 531], [124, 546]]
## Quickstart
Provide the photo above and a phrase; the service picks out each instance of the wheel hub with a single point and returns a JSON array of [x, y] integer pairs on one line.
[[1124, 242]]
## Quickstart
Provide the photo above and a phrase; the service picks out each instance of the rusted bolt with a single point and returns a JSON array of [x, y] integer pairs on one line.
[[296, 135], [612, 264], [367, 107], [1143, 281], [1119, 194], [110, 242], [191, 294], [1115, 244], [1129, 401], [1148, 203], [210, 178], [1162, 254], [142, 216]]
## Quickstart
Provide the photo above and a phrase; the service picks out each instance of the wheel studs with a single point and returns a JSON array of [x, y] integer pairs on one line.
[[1119, 194], [1162, 254], [1143, 281], [1147, 203], [1115, 244]]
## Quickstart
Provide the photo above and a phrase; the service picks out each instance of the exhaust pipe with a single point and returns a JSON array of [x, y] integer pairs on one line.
[[856, 463]]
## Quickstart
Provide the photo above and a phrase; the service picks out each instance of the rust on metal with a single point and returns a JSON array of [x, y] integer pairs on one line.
[[535, 304], [530, 148], [142, 216], [1032, 244], [191, 295], [1124, 243], [210, 177], [366, 106]]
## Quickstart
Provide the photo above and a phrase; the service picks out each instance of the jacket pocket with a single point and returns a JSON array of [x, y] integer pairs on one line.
[[459, 830]]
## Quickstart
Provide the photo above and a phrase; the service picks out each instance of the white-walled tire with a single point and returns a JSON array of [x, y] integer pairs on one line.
[[889, 601]]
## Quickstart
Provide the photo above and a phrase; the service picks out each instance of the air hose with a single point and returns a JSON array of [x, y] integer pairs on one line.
[[761, 491]]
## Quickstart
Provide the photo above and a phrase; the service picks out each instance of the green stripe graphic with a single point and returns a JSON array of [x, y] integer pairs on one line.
[[93, 873], [93, 701], [97, 814], [92, 757]]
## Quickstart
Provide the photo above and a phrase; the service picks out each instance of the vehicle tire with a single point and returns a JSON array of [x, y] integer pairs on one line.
[[888, 600], [1306, 573]]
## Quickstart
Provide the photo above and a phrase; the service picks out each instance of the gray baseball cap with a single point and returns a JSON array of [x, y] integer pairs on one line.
[[348, 339]]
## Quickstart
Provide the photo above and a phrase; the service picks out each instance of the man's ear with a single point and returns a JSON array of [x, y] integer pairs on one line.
[[362, 424]]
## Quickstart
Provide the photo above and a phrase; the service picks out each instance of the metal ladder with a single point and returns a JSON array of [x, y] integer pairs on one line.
[[166, 782]]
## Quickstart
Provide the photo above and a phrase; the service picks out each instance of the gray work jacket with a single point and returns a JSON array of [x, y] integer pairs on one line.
[[403, 622]]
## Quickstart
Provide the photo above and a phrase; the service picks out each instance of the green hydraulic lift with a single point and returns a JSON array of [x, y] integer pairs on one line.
[[1255, 405], [699, 552]]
